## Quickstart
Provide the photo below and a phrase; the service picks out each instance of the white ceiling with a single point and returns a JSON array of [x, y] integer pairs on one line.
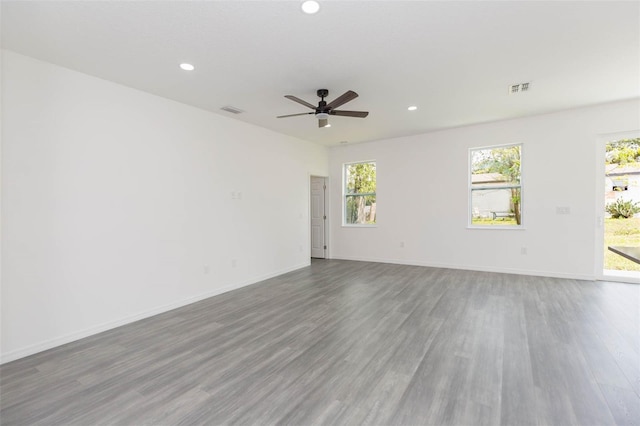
[[453, 59]]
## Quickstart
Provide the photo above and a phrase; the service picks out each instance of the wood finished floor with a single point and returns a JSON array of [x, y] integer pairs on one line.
[[345, 342]]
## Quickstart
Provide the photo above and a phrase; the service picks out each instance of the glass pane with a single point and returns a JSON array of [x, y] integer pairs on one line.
[[360, 178], [495, 166], [360, 209], [496, 207], [622, 194]]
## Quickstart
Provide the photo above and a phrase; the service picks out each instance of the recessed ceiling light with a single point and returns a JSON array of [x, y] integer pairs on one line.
[[412, 108], [328, 125], [343, 142], [310, 7], [187, 67]]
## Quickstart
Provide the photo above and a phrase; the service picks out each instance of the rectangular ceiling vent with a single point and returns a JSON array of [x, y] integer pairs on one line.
[[232, 110], [519, 88]]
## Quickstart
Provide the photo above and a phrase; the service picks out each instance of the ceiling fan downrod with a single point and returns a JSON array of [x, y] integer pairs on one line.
[[322, 93]]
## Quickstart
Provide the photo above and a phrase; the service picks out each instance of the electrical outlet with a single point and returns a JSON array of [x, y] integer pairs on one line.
[[523, 250], [563, 210], [402, 244], [234, 263]]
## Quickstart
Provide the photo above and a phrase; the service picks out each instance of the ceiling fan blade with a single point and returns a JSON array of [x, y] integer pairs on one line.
[[359, 114], [293, 115], [323, 122], [300, 101], [342, 99]]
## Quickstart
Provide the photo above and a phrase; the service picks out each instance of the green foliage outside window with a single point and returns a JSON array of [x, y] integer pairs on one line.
[[360, 193], [622, 208], [623, 152]]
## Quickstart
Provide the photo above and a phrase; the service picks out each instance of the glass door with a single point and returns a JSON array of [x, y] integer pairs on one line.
[[620, 220]]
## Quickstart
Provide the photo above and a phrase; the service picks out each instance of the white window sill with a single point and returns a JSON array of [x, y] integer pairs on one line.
[[360, 226], [502, 228]]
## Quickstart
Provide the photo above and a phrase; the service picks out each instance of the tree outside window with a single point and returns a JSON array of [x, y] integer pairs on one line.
[[495, 186], [360, 193]]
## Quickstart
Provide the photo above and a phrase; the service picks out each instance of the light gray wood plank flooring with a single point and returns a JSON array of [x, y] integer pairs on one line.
[[344, 342]]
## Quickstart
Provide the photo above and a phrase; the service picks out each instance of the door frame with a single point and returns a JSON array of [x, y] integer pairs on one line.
[[601, 140], [327, 203]]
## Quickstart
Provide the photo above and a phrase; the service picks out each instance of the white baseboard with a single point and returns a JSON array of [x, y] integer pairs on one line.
[[472, 268], [72, 337], [632, 277]]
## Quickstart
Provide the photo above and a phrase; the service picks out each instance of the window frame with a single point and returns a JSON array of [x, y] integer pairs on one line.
[[345, 194], [471, 188]]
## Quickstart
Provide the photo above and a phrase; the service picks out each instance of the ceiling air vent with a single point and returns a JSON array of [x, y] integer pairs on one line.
[[232, 110], [519, 88]]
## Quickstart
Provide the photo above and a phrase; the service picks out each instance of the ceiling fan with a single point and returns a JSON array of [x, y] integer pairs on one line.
[[324, 109]]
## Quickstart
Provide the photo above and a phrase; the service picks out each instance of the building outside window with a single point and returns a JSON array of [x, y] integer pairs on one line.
[[495, 186]]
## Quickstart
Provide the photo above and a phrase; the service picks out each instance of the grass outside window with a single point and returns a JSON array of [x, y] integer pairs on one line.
[[620, 232]]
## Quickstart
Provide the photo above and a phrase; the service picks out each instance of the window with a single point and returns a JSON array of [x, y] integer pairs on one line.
[[495, 186], [360, 193]]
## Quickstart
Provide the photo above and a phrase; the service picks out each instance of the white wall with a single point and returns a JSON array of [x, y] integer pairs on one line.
[[422, 197], [117, 204]]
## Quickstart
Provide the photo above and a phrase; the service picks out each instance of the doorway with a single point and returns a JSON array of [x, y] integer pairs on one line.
[[619, 230], [318, 191]]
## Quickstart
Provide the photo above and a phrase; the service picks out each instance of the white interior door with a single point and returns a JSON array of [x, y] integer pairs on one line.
[[318, 217]]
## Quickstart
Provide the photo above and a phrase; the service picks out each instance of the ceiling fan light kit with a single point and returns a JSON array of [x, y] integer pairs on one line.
[[324, 109], [310, 7]]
